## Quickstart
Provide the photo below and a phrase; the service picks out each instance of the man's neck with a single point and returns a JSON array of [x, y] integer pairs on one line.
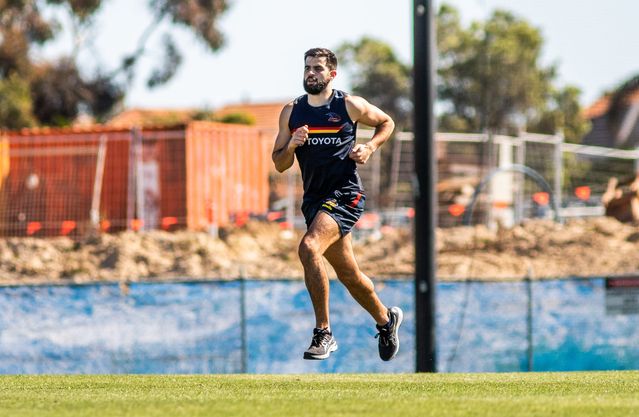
[[317, 100]]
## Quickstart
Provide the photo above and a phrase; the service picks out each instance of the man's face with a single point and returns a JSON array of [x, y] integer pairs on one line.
[[317, 75]]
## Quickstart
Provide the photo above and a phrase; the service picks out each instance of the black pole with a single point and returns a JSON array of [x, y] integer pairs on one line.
[[425, 199]]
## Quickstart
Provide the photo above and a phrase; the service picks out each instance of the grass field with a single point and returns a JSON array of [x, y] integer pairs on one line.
[[579, 394]]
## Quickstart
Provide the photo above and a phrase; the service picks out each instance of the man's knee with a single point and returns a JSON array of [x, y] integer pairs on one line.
[[309, 249]]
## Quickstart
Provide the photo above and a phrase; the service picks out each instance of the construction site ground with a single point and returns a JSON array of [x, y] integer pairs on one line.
[[537, 248]]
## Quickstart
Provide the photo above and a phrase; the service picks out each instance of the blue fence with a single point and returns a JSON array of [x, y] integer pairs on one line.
[[264, 327]]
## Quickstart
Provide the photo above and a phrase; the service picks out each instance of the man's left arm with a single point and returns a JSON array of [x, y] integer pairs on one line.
[[364, 112]]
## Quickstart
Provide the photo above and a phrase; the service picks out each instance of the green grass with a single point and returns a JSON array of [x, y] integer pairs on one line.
[[579, 394]]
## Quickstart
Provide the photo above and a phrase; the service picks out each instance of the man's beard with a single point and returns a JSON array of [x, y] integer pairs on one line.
[[316, 88]]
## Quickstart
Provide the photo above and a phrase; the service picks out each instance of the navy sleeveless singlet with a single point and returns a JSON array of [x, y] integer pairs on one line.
[[323, 159]]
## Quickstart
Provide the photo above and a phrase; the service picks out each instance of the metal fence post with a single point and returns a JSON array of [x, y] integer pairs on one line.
[[132, 184], [559, 170], [529, 322], [375, 180], [97, 183], [520, 159], [290, 199], [243, 325], [394, 171]]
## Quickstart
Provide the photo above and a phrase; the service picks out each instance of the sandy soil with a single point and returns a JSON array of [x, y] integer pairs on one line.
[[539, 249]]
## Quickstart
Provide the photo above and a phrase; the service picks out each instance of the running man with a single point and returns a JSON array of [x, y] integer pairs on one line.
[[319, 128]]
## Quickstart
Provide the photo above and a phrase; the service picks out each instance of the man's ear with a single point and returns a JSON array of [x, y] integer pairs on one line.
[[333, 73]]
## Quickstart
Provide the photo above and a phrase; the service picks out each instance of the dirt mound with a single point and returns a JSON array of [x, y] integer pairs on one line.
[[539, 249]]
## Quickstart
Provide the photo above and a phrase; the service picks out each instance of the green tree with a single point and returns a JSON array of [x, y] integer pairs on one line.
[[491, 79], [562, 115], [380, 77], [15, 103], [489, 73], [239, 118], [59, 89]]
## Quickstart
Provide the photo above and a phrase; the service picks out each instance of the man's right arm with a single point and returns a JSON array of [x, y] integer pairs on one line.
[[285, 143]]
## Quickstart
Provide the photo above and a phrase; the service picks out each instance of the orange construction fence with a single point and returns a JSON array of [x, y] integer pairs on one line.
[[67, 181]]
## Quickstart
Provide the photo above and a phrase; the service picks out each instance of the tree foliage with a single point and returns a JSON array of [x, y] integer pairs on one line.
[[197, 15], [58, 90], [238, 118], [491, 78], [563, 114], [490, 73], [380, 77], [15, 103]]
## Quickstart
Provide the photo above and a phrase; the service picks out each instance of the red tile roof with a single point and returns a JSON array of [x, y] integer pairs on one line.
[[49, 130], [601, 106], [137, 117], [266, 115]]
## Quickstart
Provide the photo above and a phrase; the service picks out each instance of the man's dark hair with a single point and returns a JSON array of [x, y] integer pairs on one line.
[[331, 59]]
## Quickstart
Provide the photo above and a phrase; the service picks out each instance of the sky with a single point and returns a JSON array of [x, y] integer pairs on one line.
[[594, 44]]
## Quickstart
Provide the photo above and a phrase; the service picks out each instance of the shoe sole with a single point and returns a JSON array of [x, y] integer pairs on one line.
[[400, 317], [312, 357]]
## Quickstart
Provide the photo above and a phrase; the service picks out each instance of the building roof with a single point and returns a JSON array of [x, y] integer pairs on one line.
[[266, 115], [602, 105], [139, 117], [618, 131]]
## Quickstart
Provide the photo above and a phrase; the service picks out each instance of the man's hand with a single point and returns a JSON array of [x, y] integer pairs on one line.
[[361, 152], [299, 137]]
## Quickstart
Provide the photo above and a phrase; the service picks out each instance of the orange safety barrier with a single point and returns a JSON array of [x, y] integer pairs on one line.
[[33, 227], [241, 218], [274, 215], [541, 198], [583, 192], [137, 224], [456, 210], [105, 225], [67, 227], [286, 225], [167, 222]]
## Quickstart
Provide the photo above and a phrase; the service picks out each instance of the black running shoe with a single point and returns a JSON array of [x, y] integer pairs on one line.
[[388, 334], [322, 345]]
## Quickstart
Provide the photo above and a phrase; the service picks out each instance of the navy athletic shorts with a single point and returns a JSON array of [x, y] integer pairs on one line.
[[345, 207]]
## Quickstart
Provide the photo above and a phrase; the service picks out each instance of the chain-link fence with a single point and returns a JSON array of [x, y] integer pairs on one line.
[[507, 179], [71, 182], [550, 325], [499, 179], [203, 176]]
